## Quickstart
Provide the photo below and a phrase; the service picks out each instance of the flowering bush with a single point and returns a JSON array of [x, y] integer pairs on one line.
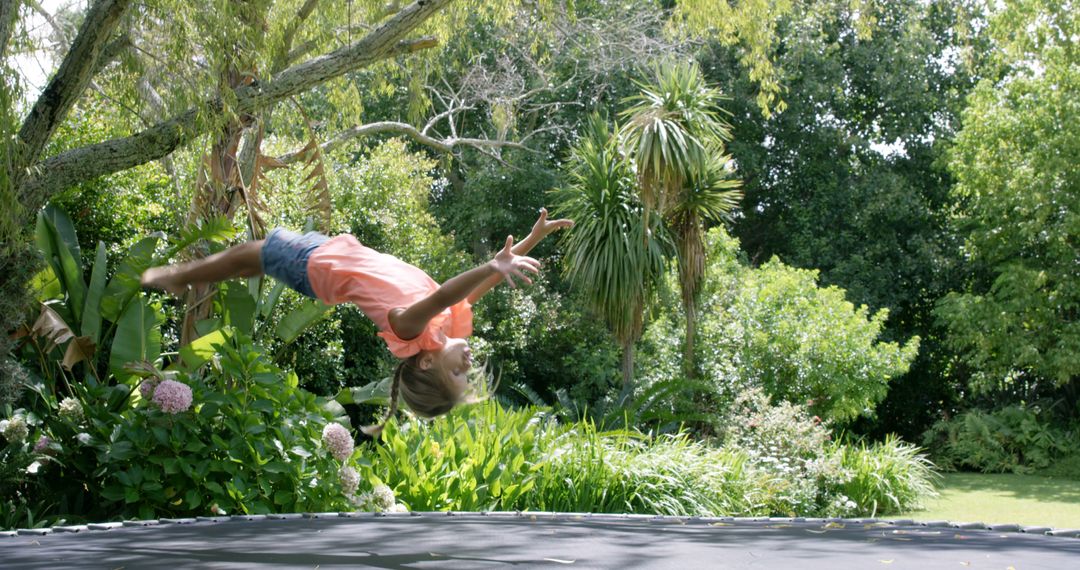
[[240, 437]]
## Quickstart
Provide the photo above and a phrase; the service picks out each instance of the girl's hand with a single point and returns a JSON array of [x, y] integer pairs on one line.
[[543, 226], [509, 265]]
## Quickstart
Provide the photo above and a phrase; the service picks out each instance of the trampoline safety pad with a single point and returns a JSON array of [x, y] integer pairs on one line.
[[538, 540]]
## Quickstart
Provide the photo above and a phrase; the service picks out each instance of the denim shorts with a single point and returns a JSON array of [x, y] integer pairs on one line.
[[285, 255]]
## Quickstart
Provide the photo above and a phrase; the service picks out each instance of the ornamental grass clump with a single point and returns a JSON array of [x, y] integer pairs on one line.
[[884, 478], [627, 472]]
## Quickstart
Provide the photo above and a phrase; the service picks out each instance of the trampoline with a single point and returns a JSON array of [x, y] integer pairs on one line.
[[538, 540]]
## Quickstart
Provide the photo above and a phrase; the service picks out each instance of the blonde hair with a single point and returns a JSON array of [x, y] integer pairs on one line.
[[428, 393]]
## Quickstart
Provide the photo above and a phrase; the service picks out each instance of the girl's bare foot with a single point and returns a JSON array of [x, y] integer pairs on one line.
[[163, 278]]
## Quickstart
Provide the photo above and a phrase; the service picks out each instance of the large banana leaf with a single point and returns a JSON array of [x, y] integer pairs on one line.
[[202, 349], [377, 392], [125, 284], [138, 337], [271, 300], [239, 308], [91, 318], [300, 319], [55, 236], [47, 285]]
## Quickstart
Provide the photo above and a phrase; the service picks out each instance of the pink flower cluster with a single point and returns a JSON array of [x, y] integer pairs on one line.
[[338, 440], [42, 444], [172, 397], [146, 388]]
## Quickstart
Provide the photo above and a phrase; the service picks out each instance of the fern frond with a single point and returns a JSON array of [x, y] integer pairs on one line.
[[530, 395]]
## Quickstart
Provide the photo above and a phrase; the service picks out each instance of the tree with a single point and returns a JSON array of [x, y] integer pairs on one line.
[[850, 179], [16, 255], [189, 76], [612, 255], [675, 137], [1018, 193]]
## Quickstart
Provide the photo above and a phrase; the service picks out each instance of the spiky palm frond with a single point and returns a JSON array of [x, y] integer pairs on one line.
[[612, 255], [670, 132], [530, 395]]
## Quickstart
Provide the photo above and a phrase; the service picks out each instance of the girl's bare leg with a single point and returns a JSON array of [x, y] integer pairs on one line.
[[244, 260]]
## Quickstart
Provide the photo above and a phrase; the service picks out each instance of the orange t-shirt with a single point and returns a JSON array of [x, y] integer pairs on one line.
[[342, 270]]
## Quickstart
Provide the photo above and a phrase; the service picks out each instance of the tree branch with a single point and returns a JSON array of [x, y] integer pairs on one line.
[[8, 9], [71, 78], [61, 33], [441, 145], [283, 59], [99, 159]]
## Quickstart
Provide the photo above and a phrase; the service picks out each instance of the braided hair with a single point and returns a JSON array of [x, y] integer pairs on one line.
[[428, 393]]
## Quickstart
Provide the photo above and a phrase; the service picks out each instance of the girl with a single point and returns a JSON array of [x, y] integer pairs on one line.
[[423, 323]]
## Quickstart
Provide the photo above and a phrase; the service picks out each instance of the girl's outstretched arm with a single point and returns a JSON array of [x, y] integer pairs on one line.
[[409, 322], [540, 230]]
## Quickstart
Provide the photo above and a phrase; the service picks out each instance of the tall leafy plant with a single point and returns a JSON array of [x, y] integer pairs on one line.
[[676, 135], [614, 255]]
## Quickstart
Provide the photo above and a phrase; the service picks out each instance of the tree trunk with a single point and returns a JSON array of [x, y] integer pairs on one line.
[[689, 368], [70, 81], [627, 372], [8, 11]]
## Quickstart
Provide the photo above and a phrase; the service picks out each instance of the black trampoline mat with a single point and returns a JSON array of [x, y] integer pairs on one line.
[[542, 540]]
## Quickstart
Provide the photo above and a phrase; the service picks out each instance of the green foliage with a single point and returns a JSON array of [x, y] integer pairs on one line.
[[773, 327], [449, 464], [1014, 438], [849, 178], [805, 471], [250, 443], [476, 458], [884, 478], [613, 255], [806, 343], [1018, 191], [546, 340]]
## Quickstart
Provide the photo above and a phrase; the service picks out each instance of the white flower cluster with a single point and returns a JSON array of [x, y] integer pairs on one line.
[[381, 498], [350, 480], [72, 409], [14, 429]]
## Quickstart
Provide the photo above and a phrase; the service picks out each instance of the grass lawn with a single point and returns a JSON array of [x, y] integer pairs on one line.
[[1004, 498]]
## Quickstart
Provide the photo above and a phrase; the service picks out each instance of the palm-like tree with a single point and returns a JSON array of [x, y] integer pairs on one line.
[[676, 137], [612, 255]]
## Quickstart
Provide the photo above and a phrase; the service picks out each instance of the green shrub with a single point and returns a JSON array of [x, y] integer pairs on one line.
[[249, 442], [480, 457], [486, 457], [775, 328], [883, 478], [1013, 439], [786, 447]]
